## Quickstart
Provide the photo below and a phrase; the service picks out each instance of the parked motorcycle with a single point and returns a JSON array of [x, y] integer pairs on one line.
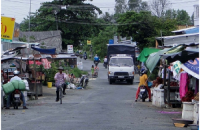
[[84, 81], [143, 93]]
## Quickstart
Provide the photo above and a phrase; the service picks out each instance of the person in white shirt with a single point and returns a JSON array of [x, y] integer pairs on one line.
[[105, 60], [16, 77]]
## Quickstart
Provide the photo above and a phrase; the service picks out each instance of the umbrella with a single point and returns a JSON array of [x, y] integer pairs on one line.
[[153, 59], [182, 56], [192, 67]]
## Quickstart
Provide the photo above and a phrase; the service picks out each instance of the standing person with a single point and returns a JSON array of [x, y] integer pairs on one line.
[[143, 81], [16, 77], [92, 70], [60, 78]]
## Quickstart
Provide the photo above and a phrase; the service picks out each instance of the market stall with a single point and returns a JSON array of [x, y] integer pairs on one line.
[[167, 87]]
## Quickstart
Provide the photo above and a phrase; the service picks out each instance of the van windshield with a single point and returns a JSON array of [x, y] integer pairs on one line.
[[121, 62]]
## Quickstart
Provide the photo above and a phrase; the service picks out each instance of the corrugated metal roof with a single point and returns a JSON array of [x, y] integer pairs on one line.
[[181, 30], [176, 36]]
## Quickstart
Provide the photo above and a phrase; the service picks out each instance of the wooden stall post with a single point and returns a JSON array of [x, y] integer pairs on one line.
[[35, 86], [168, 89]]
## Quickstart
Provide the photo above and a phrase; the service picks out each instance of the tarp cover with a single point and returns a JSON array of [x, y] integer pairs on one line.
[[121, 49], [44, 51], [145, 53], [182, 56], [193, 30], [154, 58], [192, 67]]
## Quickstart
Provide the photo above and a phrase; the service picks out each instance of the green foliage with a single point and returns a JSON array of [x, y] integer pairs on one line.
[[50, 73], [23, 39], [143, 27], [181, 16], [77, 72], [99, 43], [74, 23]]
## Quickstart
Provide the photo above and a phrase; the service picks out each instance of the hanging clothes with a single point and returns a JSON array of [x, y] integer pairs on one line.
[[184, 82], [46, 63], [192, 84], [23, 66]]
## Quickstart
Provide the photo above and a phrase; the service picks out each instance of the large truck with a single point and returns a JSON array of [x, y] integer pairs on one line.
[[121, 60]]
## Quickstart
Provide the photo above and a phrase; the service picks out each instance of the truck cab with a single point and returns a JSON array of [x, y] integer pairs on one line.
[[121, 68]]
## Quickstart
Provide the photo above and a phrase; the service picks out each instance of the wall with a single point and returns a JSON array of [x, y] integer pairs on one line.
[[52, 39]]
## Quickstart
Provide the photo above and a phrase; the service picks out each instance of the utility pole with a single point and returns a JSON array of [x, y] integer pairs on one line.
[[55, 12]]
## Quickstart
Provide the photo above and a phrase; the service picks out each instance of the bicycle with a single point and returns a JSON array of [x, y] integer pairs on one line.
[[60, 87]]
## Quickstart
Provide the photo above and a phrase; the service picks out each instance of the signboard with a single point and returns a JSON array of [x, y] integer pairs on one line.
[[70, 49], [88, 42], [111, 41], [7, 28]]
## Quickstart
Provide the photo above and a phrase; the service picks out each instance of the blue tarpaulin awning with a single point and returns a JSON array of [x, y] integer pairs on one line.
[[193, 30], [44, 51]]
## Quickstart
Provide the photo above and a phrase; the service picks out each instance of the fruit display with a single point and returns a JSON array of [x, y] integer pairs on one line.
[[197, 97], [188, 97], [173, 84]]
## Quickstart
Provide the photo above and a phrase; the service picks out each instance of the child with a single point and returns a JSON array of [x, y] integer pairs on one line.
[[96, 69], [92, 70]]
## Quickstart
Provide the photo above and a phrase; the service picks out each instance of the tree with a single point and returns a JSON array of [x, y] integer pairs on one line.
[[170, 14], [143, 27], [183, 18], [107, 17], [137, 5], [120, 6], [100, 42], [158, 7], [76, 22]]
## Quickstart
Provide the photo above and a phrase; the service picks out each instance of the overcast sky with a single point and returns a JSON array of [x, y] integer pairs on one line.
[[19, 8]]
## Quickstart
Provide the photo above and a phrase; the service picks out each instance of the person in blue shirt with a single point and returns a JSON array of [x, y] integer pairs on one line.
[[96, 59]]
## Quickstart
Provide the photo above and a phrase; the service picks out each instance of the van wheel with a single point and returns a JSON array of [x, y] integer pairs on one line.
[[143, 100], [110, 81]]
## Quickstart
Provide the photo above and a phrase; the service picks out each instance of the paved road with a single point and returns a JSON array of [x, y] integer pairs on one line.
[[100, 107]]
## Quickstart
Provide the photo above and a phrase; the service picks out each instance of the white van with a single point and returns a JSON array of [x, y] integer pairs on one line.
[[121, 67]]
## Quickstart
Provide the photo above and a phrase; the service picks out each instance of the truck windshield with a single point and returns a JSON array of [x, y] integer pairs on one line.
[[121, 62]]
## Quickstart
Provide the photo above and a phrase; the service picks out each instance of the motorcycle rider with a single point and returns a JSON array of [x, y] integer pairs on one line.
[[85, 55], [143, 81], [60, 76], [105, 60], [96, 59], [16, 77]]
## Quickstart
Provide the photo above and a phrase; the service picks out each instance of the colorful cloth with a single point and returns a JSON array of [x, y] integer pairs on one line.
[[184, 82], [192, 67], [46, 63]]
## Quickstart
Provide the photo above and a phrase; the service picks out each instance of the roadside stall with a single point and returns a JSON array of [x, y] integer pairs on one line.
[[168, 90]]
